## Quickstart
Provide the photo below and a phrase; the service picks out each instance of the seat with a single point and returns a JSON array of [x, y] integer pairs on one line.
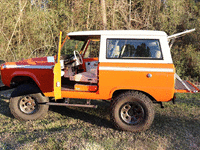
[[85, 77]]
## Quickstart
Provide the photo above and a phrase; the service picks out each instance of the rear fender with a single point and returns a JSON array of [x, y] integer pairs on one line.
[[117, 92]]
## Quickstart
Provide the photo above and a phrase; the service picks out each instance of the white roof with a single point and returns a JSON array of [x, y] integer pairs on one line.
[[118, 32]]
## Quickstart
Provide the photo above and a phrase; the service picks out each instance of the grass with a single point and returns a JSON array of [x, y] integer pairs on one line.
[[175, 127]]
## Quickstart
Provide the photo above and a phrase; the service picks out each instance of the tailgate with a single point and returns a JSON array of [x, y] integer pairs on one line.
[[184, 86]]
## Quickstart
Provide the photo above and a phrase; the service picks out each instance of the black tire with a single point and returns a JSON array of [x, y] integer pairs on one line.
[[132, 111], [27, 103]]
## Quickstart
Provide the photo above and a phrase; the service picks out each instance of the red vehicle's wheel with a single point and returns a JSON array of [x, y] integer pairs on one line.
[[27, 103]]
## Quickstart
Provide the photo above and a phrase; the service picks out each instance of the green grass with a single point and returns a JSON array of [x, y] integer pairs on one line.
[[175, 127]]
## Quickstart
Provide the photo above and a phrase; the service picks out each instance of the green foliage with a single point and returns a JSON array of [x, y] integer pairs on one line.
[[187, 61], [31, 29]]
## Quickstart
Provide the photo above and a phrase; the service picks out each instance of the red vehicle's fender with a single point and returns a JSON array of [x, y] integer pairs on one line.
[[42, 77]]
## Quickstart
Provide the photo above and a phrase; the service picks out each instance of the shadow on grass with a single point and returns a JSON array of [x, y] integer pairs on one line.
[[78, 113], [4, 107], [90, 115], [181, 132]]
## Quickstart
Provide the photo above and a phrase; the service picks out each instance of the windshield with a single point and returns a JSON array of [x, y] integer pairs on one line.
[[71, 45]]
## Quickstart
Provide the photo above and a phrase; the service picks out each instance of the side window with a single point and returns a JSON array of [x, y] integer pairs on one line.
[[133, 48], [92, 49]]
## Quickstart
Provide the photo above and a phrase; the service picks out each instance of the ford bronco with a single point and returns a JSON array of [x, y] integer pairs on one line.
[[130, 68]]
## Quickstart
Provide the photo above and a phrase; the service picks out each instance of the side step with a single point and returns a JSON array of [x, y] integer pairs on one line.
[[71, 105]]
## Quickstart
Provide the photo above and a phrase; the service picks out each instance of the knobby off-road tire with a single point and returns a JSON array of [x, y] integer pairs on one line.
[[132, 111], [27, 103]]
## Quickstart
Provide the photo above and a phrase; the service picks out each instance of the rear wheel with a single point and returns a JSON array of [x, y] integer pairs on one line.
[[132, 111], [27, 103]]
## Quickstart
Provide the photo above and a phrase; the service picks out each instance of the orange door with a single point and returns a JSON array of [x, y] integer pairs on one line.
[[155, 79]]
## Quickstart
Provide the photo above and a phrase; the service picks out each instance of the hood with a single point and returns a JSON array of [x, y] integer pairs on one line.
[[40, 63]]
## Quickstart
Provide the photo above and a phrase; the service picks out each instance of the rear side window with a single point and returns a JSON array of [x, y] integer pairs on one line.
[[133, 49]]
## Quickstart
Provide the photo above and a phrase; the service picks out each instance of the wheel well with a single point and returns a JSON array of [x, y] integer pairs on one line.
[[118, 92], [24, 80], [18, 80]]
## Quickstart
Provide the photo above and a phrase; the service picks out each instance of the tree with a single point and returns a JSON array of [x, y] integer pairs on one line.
[[103, 9]]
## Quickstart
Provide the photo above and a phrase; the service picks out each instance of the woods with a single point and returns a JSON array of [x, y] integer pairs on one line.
[[30, 28]]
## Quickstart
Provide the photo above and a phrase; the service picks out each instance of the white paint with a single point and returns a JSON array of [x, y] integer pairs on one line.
[[62, 64], [118, 33], [50, 59], [139, 69]]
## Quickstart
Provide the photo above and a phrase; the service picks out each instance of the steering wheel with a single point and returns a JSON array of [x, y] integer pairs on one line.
[[78, 58]]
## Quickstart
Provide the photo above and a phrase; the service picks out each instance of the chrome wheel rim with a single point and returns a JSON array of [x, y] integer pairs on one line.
[[28, 105], [132, 113]]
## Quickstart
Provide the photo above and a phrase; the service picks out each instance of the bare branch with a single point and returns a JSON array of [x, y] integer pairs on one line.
[[14, 29]]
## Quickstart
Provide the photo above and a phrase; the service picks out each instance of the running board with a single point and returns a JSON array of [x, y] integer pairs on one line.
[[71, 105]]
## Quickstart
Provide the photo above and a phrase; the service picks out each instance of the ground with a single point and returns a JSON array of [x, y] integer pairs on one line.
[[175, 127]]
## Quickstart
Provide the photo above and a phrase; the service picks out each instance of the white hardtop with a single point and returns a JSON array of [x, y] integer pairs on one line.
[[125, 34], [118, 33]]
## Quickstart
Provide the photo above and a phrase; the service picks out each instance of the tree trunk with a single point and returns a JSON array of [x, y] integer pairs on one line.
[[103, 8]]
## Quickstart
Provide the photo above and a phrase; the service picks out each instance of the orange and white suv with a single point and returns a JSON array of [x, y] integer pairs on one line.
[[130, 68]]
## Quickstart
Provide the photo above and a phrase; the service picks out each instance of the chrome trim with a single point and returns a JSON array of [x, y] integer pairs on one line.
[[136, 69], [29, 66]]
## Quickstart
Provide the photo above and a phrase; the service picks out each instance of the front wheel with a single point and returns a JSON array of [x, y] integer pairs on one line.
[[27, 103], [132, 111]]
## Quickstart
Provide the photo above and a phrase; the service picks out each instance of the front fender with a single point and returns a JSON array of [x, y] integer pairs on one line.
[[42, 77], [27, 74]]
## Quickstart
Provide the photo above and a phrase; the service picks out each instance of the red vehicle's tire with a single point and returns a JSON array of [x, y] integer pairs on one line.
[[27, 103], [132, 111]]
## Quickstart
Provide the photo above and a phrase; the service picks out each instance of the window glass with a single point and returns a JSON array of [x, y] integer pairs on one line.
[[71, 45], [92, 49], [133, 48]]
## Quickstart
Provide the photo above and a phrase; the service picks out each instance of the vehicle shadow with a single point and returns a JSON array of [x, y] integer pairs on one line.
[[179, 131], [4, 107], [98, 116]]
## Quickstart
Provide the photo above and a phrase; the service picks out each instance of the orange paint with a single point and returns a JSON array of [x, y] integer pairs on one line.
[[160, 85]]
